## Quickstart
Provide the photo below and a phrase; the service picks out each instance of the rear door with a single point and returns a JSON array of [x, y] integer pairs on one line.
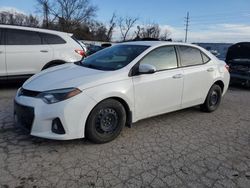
[[199, 73], [2, 55], [25, 52]]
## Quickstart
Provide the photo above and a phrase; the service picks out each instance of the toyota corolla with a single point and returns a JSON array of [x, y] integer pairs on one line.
[[96, 97]]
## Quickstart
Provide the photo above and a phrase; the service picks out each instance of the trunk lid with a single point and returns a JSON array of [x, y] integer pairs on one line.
[[238, 58]]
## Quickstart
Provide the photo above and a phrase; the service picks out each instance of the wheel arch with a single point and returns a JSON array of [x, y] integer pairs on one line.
[[127, 109], [221, 84], [124, 104], [54, 62]]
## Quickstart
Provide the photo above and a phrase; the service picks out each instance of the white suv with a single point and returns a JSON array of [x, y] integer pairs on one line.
[[25, 51], [96, 97]]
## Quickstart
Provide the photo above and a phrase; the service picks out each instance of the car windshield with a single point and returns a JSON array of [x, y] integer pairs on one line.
[[113, 58]]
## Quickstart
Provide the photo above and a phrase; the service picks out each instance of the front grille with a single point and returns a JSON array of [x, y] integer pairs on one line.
[[24, 116], [28, 93]]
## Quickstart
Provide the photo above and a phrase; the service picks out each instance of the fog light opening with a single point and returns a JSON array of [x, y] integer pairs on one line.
[[57, 126]]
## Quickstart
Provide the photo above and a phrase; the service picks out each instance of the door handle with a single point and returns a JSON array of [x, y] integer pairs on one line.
[[177, 76], [210, 69], [44, 51]]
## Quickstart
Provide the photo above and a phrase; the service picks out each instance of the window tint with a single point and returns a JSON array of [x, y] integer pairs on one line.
[[52, 39], [205, 58], [162, 58], [190, 56], [1, 37], [22, 37]]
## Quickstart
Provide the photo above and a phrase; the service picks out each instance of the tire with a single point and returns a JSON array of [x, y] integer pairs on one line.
[[105, 121], [213, 99]]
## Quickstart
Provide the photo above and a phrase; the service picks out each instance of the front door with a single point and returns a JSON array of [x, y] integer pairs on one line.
[[161, 91]]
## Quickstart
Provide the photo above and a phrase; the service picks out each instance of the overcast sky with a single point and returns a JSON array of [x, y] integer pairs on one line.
[[210, 21]]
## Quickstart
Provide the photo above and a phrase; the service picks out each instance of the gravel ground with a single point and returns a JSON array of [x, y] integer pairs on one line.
[[187, 148]]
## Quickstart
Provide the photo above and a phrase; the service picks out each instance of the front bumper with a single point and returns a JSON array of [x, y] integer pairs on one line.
[[37, 117]]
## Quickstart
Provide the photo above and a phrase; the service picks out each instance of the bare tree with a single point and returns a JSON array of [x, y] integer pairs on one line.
[[98, 31], [68, 13], [138, 32], [16, 18], [46, 12], [125, 25], [150, 31], [111, 27], [165, 35]]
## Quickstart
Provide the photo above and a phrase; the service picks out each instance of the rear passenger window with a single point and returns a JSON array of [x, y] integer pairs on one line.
[[52, 39], [205, 58], [22, 37], [190, 56], [161, 58]]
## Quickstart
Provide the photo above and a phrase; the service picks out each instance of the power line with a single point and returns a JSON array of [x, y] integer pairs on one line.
[[245, 16], [221, 14]]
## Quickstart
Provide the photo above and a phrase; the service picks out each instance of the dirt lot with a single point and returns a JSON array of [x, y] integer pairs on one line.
[[181, 149]]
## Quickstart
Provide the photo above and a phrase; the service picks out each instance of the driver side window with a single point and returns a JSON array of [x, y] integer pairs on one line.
[[161, 58]]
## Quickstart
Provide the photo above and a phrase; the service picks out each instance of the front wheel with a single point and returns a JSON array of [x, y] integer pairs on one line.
[[213, 99], [106, 121]]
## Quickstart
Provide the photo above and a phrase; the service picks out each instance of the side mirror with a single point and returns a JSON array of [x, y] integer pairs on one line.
[[146, 69]]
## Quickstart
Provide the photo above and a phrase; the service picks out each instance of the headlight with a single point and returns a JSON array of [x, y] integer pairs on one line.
[[58, 95]]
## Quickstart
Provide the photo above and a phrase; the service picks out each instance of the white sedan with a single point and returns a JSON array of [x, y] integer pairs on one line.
[[97, 97]]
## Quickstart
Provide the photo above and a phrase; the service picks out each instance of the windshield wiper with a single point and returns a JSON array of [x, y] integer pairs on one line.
[[89, 66]]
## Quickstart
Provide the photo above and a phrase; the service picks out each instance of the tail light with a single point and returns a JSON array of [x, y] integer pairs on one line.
[[80, 52], [227, 67]]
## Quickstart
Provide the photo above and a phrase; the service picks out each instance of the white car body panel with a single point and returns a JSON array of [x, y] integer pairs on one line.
[[146, 95], [152, 89], [195, 89], [22, 60], [2, 61]]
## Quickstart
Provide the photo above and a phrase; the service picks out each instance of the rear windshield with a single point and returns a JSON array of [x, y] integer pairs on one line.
[[113, 58]]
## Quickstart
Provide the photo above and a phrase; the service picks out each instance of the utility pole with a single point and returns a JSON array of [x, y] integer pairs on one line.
[[187, 24]]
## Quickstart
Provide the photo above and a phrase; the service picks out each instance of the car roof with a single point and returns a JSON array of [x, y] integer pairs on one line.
[[158, 43], [155, 44], [34, 29]]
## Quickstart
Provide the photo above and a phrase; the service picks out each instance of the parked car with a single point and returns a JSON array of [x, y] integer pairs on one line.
[[91, 49], [83, 46], [25, 51], [117, 86], [238, 59]]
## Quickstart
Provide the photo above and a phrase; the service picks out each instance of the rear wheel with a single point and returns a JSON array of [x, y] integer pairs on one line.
[[213, 99], [106, 121]]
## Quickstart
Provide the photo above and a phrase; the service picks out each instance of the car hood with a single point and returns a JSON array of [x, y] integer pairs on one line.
[[68, 76], [238, 52]]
